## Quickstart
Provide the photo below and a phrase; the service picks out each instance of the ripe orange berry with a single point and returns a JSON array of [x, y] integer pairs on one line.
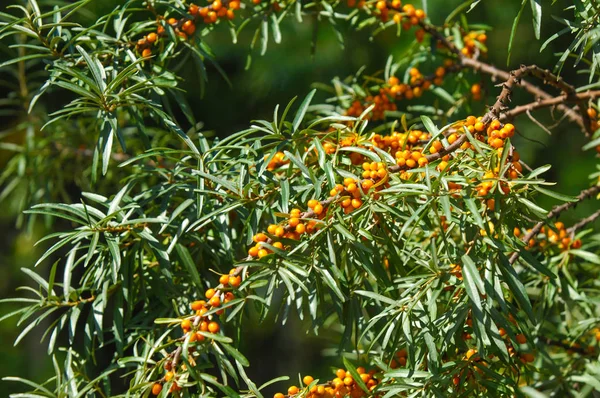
[[216, 5], [186, 324], [456, 380], [279, 395], [340, 373], [169, 376], [209, 293], [293, 390], [528, 357], [189, 27], [224, 279], [318, 209], [156, 388], [592, 113], [146, 53], [300, 228], [234, 5], [253, 251], [307, 380], [214, 327], [381, 5], [470, 353], [262, 253], [521, 339], [260, 237], [312, 203], [294, 221], [279, 231], [278, 245], [215, 301], [197, 305], [152, 37]]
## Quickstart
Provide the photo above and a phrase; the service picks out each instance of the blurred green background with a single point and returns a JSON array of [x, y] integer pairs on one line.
[[288, 69]]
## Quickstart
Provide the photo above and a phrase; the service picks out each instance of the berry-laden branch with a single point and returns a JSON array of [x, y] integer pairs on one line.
[[556, 210], [477, 65]]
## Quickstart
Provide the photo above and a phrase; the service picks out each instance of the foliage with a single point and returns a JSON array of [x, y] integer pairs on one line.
[[411, 225]]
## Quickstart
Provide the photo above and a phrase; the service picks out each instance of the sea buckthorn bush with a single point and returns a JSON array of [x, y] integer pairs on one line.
[[391, 209]]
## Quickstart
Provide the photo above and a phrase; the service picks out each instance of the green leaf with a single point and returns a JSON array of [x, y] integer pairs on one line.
[[188, 263], [514, 30], [302, 111], [236, 355], [536, 10]]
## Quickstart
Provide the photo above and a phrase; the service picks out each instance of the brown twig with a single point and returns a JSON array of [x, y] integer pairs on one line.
[[581, 119], [545, 103], [556, 210], [583, 222]]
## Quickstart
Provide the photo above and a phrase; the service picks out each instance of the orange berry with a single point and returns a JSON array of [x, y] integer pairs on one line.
[[307, 380], [300, 228], [470, 353], [521, 339], [318, 209], [209, 293], [262, 253], [169, 376], [340, 373], [260, 237], [234, 5], [214, 327], [253, 251], [146, 53], [293, 390], [215, 301], [279, 395], [156, 388], [312, 203], [224, 279], [186, 324], [279, 231], [189, 27], [197, 305], [152, 37], [528, 357]]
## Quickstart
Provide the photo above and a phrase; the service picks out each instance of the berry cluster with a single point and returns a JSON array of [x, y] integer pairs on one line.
[[186, 27], [395, 90], [552, 237], [474, 43], [381, 102], [342, 385], [293, 229], [200, 325], [277, 161]]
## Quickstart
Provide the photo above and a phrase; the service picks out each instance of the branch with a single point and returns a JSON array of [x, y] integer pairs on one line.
[[511, 114], [580, 118], [583, 222], [556, 210]]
